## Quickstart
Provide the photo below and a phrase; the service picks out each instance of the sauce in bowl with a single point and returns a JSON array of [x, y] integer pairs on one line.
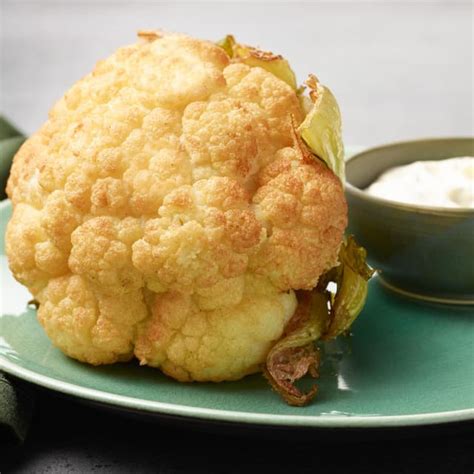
[[442, 183]]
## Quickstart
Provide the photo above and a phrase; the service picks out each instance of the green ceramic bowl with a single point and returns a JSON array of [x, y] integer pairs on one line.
[[10, 141], [423, 252]]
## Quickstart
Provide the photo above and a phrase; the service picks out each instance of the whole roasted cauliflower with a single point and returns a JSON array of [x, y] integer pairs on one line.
[[173, 203]]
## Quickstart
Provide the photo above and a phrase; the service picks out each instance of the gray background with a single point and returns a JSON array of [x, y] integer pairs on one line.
[[399, 69]]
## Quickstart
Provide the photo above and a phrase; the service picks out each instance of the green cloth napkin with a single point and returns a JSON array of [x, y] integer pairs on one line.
[[16, 399], [10, 141]]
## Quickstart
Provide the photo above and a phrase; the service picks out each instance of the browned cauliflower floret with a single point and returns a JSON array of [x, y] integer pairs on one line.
[[88, 325], [168, 209], [299, 202]]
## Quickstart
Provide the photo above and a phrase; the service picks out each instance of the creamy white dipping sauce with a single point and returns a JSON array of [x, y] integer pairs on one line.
[[442, 183]]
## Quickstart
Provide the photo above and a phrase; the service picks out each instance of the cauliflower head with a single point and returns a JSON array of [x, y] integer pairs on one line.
[[168, 210]]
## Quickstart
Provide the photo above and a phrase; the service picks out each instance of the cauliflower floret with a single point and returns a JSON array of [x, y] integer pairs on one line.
[[88, 325], [224, 343], [167, 210], [300, 204], [101, 252], [204, 234]]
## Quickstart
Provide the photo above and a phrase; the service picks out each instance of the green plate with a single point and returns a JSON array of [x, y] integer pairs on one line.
[[405, 364]]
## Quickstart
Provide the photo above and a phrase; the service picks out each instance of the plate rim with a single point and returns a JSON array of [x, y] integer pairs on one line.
[[234, 416]]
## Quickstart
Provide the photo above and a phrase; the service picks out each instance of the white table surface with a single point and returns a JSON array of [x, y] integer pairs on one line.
[[400, 70]]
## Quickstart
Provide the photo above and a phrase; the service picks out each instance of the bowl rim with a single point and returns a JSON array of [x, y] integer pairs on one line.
[[411, 208]]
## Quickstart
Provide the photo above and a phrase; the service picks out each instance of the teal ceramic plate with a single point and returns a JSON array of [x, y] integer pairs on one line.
[[405, 364]]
